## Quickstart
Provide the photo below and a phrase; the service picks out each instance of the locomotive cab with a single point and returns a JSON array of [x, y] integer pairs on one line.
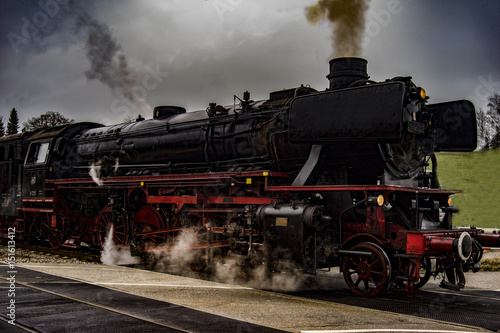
[[35, 166], [12, 151]]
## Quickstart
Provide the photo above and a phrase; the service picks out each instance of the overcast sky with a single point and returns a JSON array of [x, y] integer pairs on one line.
[[192, 52]]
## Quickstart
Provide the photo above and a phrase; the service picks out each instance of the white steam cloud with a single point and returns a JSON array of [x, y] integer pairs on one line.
[[95, 173], [182, 258], [112, 255], [287, 277], [187, 256]]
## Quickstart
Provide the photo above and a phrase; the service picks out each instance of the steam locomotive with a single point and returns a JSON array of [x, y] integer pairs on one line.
[[344, 177]]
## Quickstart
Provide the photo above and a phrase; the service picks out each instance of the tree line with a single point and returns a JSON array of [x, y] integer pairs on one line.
[[47, 120], [488, 123]]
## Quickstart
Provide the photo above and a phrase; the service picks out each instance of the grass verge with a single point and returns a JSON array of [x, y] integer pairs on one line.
[[490, 264], [477, 176]]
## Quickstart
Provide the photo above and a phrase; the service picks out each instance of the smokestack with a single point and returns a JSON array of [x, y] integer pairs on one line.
[[345, 71]]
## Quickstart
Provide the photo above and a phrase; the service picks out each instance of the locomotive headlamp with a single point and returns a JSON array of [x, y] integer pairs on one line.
[[423, 95], [418, 94], [450, 201], [375, 200]]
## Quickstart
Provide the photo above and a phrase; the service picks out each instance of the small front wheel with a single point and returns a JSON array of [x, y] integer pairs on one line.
[[367, 275]]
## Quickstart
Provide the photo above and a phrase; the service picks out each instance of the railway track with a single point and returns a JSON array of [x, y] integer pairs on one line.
[[5, 326], [470, 307], [51, 303], [26, 251], [90, 308], [474, 308]]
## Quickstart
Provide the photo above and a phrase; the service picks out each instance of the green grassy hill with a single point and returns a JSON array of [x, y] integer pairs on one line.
[[477, 175]]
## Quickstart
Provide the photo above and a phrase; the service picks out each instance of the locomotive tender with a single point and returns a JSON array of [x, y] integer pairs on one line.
[[344, 177]]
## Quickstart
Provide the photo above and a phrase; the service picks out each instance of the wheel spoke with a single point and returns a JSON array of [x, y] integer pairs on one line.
[[105, 222], [374, 262], [149, 219], [353, 262], [372, 274], [55, 238]]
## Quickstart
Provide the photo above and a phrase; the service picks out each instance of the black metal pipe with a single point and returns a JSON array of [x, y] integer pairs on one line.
[[346, 253]]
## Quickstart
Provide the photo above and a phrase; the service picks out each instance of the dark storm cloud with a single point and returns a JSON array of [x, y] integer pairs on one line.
[[36, 37], [35, 29], [464, 39], [29, 25], [449, 47], [195, 52], [211, 59], [464, 32]]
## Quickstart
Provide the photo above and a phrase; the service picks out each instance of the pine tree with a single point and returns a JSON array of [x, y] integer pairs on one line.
[[2, 127], [494, 113], [13, 125]]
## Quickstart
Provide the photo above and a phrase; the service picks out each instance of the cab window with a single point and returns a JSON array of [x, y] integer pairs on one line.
[[37, 153]]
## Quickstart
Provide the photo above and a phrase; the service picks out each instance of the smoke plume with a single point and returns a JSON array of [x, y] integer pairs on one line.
[[348, 20], [109, 65]]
